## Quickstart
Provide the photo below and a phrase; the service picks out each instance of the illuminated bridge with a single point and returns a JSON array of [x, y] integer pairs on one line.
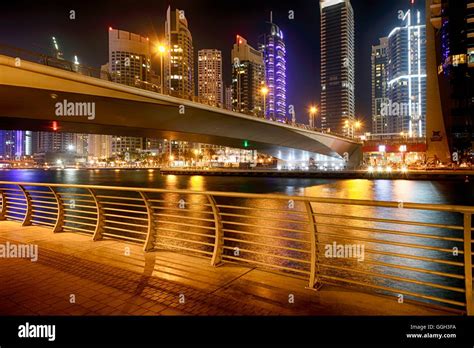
[[30, 89]]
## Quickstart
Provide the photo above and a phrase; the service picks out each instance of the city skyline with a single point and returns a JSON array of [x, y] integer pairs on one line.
[[301, 32]]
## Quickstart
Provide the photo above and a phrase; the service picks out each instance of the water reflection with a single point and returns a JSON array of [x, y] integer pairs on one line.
[[197, 183], [282, 239]]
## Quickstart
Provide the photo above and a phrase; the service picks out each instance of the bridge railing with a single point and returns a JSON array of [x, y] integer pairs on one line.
[[414, 252], [44, 59]]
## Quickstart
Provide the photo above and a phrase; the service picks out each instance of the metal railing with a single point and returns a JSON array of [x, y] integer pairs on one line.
[[421, 252]]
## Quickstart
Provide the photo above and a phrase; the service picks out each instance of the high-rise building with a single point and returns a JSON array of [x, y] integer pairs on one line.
[[210, 85], [248, 77], [406, 108], [53, 142], [129, 64], [274, 55], [124, 146], [379, 61], [15, 144], [337, 67], [80, 146], [99, 146], [129, 58], [228, 98], [451, 69], [179, 63]]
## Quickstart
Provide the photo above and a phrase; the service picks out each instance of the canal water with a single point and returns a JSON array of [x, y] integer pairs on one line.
[[290, 240], [456, 192]]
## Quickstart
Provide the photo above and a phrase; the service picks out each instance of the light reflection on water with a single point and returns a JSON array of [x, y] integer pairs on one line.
[[441, 192]]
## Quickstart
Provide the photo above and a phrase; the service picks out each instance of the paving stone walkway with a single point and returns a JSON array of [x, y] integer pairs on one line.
[[76, 276]]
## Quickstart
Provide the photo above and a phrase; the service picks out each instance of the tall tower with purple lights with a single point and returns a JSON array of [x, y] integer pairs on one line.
[[274, 54]]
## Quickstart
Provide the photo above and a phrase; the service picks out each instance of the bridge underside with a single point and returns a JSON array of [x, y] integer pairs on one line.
[[28, 98]]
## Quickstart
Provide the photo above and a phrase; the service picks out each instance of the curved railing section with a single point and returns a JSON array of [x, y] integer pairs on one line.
[[415, 252]]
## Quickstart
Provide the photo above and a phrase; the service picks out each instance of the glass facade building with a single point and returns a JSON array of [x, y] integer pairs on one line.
[[406, 73], [453, 24], [274, 55], [337, 67], [379, 60], [248, 77], [179, 65]]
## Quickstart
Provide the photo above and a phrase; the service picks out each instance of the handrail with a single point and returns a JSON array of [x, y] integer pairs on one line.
[[382, 204], [426, 256]]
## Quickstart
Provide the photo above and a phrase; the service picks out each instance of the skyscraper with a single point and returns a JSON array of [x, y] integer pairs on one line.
[[337, 67], [53, 142], [210, 85], [129, 57], [274, 56], [228, 97], [406, 107], [179, 64], [99, 146], [379, 61], [129, 64], [15, 144], [248, 77], [124, 146], [451, 70]]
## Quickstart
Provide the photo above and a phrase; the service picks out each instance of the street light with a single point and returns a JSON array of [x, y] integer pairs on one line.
[[357, 125], [161, 49], [264, 91], [312, 112]]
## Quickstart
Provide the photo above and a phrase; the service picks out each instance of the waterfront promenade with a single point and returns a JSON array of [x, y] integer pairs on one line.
[[458, 174], [111, 277]]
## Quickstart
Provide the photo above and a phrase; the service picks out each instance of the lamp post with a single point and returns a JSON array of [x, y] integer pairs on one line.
[[357, 126], [264, 91], [312, 112], [161, 48], [352, 125]]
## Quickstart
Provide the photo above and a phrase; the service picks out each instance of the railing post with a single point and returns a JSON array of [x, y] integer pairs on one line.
[[219, 233], [468, 262], [58, 226], [3, 210], [29, 207], [99, 228], [150, 237], [313, 278]]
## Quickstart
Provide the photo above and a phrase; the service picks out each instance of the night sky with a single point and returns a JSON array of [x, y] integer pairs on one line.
[[213, 24]]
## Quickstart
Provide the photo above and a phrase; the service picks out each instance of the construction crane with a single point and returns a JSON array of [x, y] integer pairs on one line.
[[57, 52]]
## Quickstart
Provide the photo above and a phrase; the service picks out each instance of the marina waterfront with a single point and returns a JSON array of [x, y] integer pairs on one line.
[[456, 191], [425, 237]]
